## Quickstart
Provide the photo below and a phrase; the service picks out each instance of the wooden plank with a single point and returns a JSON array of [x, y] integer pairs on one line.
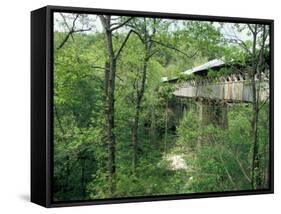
[[228, 90]]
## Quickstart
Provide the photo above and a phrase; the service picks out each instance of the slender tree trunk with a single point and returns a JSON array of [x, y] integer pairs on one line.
[[109, 85], [152, 127], [83, 186], [256, 157], [67, 173], [166, 128], [110, 110], [256, 181], [135, 127], [135, 137], [265, 158], [111, 125], [106, 79]]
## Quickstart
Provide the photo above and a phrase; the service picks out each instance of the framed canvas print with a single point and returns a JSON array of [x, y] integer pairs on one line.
[[134, 106]]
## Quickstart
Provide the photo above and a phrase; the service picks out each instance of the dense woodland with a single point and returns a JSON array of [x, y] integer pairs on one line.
[[115, 132]]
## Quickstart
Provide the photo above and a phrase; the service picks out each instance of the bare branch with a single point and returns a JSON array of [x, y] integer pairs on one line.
[[261, 52], [74, 20], [251, 29], [239, 164], [103, 21], [119, 78], [98, 67], [123, 44], [122, 24], [243, 170], [151, 55], [65, 40], [240, 41], [71, 31], [224, 165], [82, 30], [261, 106], [138, 34], [176, 49], [125, 41], [66, 24]]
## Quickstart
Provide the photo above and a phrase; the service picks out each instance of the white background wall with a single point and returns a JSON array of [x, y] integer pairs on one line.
[[15, 106]]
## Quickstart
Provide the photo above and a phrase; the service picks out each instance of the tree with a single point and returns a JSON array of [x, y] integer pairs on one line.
[[259, 34], [77, 99], [152, 34], [145, 30], [117, 123], [70, 22], [250, 54], [110, 73]]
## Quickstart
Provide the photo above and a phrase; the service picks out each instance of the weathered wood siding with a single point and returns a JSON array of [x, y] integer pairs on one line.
[[234, 90]]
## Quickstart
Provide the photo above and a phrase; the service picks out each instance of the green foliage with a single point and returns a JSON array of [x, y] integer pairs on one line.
[[222, 72], [188, 130], [222, 158], [217, 158]]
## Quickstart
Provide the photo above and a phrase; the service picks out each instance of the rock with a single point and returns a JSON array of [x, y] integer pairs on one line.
[[177, 162]]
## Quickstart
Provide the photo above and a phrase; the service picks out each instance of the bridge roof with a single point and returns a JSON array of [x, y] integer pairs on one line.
[[211, 64]]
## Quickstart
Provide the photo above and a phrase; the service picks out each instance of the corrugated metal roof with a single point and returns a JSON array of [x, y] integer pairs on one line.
[[164, 79], [211, 64]]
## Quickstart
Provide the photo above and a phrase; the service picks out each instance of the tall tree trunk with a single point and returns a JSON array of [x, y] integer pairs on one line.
[[106, 77], [166, 128], [83, 186], [256, 181], [110, 109], [66, 188], [109, 85], [135, 137], [140, 93], [152, 131]]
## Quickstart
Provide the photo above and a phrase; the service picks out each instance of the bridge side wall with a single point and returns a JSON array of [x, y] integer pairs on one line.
[[236, 91]]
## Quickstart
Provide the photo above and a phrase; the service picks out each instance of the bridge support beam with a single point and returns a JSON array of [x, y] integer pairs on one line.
[[212, 112]]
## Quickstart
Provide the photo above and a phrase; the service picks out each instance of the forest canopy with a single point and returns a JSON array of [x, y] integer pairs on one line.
[[150, 106]]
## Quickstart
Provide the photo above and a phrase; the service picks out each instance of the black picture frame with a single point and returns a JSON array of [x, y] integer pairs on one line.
[[42, 102]]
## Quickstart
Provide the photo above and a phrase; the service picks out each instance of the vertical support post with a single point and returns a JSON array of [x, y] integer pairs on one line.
[[212, 112]]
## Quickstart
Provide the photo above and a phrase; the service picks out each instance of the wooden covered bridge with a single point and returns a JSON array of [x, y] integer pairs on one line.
[[213, 94]]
